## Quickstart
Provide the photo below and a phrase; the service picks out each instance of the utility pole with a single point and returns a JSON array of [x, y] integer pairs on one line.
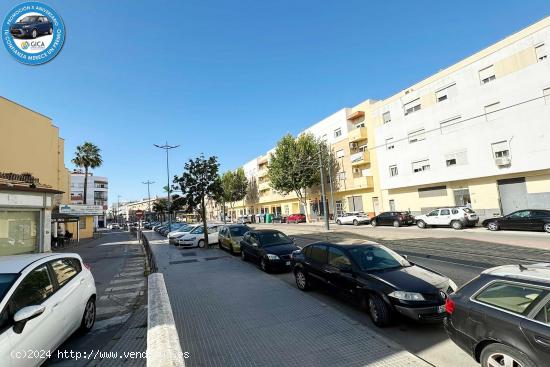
[[323, 194], [148, 183], [167, 147], [330, 183], [118, 208]]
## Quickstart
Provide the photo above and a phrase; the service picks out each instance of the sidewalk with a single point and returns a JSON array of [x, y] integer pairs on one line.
[[228, 313]]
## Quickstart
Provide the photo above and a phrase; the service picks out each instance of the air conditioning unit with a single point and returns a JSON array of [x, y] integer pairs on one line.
[[356, 170], [354, 145], [503, 161]]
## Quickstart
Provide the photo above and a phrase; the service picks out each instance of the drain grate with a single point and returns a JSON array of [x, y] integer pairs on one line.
[[183, 261], [188, 254]]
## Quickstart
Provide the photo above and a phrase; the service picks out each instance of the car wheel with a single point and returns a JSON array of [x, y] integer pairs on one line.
[[547, 227], [302, 281], [243, 256], [338, 222], [493, 226], [355, 222], [456, 224], [373, 223], [379, 311], [396, 223], [264, 266], [34, 33], [421, 224], [497, 354], [201, 243], [88, 318]]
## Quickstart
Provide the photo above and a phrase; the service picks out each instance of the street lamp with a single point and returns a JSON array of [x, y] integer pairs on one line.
[[118, 208], [148, 183], [167, 147]]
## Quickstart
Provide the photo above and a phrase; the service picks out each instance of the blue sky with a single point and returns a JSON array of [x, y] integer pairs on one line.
[[229, 78]]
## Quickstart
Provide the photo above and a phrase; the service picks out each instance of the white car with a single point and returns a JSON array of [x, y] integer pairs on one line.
[[354, 218], [113, 226], [195, 238], [173, 236], [44, 299], [455, 217], [184, 228]]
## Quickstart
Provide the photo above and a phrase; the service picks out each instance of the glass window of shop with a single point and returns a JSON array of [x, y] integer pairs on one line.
[[19, 231]]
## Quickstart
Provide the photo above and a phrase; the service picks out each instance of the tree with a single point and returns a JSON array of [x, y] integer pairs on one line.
[[200, 180], [294, 167], [88, 156], [234, 186], [160, 206], [252, 195]]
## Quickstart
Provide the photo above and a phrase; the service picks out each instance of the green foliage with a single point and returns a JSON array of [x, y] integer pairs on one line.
[[87, 156], [234, 186]]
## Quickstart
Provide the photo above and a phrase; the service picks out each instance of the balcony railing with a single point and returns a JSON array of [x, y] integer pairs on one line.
[[263, 186], [262, 172], [365, 182], [360, 158], [358, 134]]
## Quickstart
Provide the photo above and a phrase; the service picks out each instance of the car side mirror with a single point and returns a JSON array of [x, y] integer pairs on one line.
[[292, 238], [406, 257], [26, 314]]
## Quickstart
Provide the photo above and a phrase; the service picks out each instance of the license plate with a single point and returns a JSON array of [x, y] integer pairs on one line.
[[441, 309], [287, 263]]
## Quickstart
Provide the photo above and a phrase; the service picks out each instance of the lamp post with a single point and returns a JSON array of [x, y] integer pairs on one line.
[[118, 209], [323, 194], [148, 183], [167, 147]]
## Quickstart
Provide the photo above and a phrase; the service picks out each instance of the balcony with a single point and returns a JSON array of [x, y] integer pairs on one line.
[[355, 115], [263, 186], [358, 134], [262, 172], [360, 158], [365, 182], [262, 160]]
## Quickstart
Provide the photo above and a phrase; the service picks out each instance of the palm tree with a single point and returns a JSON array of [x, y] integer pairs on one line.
[[88, 156]]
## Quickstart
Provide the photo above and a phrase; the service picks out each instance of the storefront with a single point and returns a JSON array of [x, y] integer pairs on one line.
[[25, 217]]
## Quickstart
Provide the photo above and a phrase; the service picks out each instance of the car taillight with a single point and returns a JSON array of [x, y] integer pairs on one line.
[[449, 305], [87, 266]]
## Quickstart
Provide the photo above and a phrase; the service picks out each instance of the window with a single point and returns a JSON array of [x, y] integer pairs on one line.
[[393, 171], [65, 270], [433, 213], [318, 253], [433, 191], [417, 135], [487, 75], [500, 149], [421, 166], [33, 290], [510, 297], [341, 176], [544, 314], [392, 204], [412, 106], [362, 124], [82, 223], [541, 52], [386, 117], [338, 258], [340, 153], [19, 231], [337, 132], [450, 125], [521, 214], [546, 94], [363, 148], [390, 144], [456, 159], [491, 111], [445, 212], [355, 203], [445, 93]]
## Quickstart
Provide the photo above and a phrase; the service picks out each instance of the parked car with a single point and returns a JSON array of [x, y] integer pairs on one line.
[[396, 219], [195, 237], [354, 218], [180, 232], [277, 218], [296, 218], [502, 317], [113, 226], [230, 236], [31, 26], [525, 220], [170, 227], [180, 229], [455, 217], [44, 298], [269, 249], [383, 282], [244, 219]]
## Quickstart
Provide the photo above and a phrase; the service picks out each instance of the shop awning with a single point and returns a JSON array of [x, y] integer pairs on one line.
[[60, 217]]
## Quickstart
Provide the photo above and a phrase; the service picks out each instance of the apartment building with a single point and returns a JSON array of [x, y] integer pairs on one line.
[[476, 132], [96, 193]]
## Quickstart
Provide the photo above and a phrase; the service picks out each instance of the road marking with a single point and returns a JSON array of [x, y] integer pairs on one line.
[[120, 295], [125, 287], [119, 243], [126, 280], [129, 274]]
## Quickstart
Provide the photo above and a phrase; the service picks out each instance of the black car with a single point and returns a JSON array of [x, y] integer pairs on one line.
[[525, 220], [502, 317], [270, 249], [380, 279], [396, 219], [31, 26]]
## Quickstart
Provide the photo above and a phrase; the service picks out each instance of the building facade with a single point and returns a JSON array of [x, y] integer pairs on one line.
[[97, 193], [475, 133]]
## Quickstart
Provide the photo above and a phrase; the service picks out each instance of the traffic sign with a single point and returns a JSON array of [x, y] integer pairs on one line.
[[139, 214]]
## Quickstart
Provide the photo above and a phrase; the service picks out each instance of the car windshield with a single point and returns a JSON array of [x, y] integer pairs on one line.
[[31, 18], [6, 280], [371, 258], [183, 228], [239, 231], [468, 210], [273, 238]]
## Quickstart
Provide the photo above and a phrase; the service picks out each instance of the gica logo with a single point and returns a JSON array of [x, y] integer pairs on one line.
[[33, 33]]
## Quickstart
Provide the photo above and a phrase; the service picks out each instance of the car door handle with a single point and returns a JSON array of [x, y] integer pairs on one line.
[[542, 340], [82, 280]]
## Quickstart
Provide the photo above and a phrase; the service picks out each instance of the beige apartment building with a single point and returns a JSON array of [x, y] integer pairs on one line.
[[475, 133]]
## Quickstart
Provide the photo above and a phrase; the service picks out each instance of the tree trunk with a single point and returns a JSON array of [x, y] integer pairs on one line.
[[204, 227], [304, 202], [85, 184]]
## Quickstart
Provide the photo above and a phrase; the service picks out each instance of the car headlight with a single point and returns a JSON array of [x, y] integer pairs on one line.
[[272, 257], [452, 285], [407, 296]]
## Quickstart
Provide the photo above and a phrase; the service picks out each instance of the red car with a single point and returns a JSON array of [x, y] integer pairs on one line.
[[296, 218]]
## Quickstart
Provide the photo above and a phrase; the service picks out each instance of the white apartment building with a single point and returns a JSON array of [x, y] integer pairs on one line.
[[97, 193]]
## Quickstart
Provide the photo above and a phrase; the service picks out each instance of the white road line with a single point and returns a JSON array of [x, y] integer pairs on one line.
[[129, 274], [126, 280], [120, 295], [125, 287]]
